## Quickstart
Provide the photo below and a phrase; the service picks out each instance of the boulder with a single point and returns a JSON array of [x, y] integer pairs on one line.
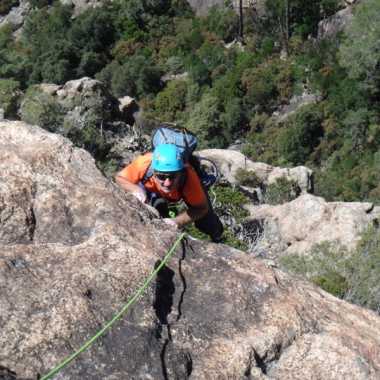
[[230, 161], [74, 248], [86, 112], [128, 107], [296, 226]]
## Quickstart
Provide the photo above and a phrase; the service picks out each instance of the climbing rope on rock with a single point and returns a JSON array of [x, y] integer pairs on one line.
[[117, 316]]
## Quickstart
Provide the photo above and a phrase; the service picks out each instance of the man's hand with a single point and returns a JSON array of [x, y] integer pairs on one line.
[[140, 194], [170, 222]]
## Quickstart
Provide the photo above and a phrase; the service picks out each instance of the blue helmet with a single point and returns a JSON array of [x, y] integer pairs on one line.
[[167, 158]]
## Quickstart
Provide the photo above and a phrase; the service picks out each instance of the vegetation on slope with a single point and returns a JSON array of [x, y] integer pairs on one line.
[[227, 92]]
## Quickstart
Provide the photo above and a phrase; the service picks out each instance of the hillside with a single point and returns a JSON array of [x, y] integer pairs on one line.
[[301, 89]]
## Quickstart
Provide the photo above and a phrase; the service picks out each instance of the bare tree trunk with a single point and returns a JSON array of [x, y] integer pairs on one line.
[[286, 36], [241, 24]]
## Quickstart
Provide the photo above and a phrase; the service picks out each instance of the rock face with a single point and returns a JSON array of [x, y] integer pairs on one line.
[[85, 111], [201, 7], [74, 248], [81, 5], [331, 26], [230, 161], [16, 15], [296, 226], [295, 103]]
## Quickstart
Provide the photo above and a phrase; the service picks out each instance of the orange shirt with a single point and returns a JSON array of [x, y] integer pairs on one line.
[[192, 192]]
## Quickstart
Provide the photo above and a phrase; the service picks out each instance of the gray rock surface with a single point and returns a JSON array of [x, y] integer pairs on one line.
[[295, 103], [74, 248], [230, 161], [16, 15], [336, 23], [81, 5], [296, 226]]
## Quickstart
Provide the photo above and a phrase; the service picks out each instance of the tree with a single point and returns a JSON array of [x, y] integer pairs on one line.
[[360, 52], [301, 135], [205, 121]]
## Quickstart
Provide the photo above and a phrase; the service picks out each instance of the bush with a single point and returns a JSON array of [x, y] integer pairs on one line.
[[136, 77], [41, 109], [281, 191], [247, 178], [268, 85], [353, 276], [171, 102], [9, 97], [302, 133]]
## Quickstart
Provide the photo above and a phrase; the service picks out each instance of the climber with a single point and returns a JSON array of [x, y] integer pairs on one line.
[[161, 177]]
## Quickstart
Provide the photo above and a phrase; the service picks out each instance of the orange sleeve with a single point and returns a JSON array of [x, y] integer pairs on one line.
[[193, 193], [135, 171]]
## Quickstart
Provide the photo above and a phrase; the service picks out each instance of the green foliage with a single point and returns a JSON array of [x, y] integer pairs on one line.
[[298, 16], [247, 178], [281, 191], [354, 276], [262, 139], [359, 53], [9, 97], [324, 266], [171, 102], [229, 92], [91, 138], [51, 56], [40, 3], [231, 200], [136, 77], [222, 21], [302, 133], [205, 121], [40, 108], [267, 84]]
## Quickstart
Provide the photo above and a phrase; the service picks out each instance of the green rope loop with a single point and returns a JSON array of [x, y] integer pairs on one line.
[[117, 316]]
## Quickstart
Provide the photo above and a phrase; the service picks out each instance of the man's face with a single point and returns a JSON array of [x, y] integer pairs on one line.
[[168, 181]]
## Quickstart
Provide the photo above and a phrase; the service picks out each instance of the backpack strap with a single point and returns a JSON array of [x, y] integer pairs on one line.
[[148, 173]]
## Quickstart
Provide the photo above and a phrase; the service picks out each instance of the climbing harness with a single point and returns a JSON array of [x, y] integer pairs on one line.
[[117, 316]]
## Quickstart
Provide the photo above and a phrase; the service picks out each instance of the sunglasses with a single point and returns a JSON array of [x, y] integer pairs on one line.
[[165, 176]]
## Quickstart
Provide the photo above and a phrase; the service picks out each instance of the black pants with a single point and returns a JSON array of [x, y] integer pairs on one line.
[[210, 224]]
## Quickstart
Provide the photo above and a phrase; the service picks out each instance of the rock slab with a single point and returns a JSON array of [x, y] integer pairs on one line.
[[74, 248]]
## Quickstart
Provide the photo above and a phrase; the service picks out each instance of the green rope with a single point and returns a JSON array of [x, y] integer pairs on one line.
[[117, 316]]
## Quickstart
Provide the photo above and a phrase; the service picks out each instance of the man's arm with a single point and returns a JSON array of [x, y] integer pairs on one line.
[[130, 187], [192, 214]]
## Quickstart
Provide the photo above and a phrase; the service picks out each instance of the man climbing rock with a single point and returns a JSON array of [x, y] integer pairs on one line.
[[161, 177]]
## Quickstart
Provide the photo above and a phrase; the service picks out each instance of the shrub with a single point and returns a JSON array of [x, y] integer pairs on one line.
[[301, 135], [41, 109], [267, 85], [136, 77], [351, 275], [281, 191], [222, 21], [230, 201], [247, 178], [171, 102], [9, 97]]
